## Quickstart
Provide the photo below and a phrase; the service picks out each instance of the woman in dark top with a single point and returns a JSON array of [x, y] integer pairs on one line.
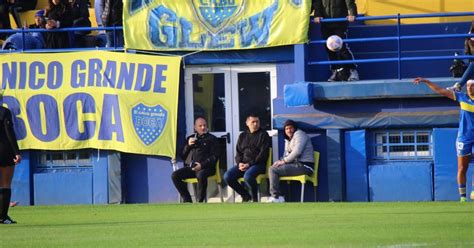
[[59, 15], [9, 157]]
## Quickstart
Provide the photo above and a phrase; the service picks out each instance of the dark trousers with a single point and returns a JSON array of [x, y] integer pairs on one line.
[[4, 19], [186, 172], [114, 39], [5, 196], [250, 175], [339, 29]]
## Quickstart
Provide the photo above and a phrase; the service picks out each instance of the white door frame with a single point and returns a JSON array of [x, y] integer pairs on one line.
[[231, 100]]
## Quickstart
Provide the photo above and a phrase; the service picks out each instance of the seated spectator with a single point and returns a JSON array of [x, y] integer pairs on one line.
[[297, 160], [33, 40], [251, 155], [59, 15], [40, 20], [200, 156], [17, 6]]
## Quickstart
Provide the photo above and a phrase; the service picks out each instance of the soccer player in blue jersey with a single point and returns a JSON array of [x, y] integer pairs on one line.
[[465, 139]]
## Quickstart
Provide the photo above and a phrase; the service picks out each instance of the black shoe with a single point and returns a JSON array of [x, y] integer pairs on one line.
[[246, 198], [7, 221]]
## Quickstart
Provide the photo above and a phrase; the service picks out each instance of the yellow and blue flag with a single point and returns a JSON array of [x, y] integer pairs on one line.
[[104, 100], [214, 24]]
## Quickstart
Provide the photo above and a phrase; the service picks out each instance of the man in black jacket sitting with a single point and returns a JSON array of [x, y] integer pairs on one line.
[[200, 155], [251, 155]]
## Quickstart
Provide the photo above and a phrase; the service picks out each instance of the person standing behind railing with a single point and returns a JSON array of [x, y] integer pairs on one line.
[[111, 17], [469, 44], [337, 9], [4, 18], [29, 40], [80, 12], [59, 15]]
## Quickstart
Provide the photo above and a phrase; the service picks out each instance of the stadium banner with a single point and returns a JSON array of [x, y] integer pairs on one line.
[[97, 99], [214, 24]]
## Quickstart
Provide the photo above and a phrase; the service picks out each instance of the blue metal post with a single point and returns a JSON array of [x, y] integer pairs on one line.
[[399, 48], [23, 39], [115, 38], [469, 73], [301, 62]]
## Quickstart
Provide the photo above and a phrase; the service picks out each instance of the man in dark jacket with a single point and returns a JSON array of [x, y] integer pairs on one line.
[[200, 155], [251, 155], [111, 17], [337, 9]]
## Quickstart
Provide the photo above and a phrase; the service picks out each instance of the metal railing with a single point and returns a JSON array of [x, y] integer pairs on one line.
[[399, 59], [24, 31]]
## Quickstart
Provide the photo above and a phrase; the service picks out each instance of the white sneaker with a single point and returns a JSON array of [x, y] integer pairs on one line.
[[272, 199], [354, 75], [333, 77]]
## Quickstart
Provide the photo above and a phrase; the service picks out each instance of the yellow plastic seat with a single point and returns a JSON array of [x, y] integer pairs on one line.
[[260, 177], [305, 178], [216, 177], [27, 17]]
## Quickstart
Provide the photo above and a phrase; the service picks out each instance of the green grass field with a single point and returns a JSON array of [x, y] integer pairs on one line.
[[430, 224]]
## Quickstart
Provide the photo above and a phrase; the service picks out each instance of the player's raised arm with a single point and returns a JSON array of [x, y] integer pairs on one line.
[[447, 93]]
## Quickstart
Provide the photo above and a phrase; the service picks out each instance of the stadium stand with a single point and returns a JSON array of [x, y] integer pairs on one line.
[[383, 99]]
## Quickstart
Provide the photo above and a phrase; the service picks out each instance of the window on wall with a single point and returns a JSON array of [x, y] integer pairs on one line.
[[402, 145], [65, 159]]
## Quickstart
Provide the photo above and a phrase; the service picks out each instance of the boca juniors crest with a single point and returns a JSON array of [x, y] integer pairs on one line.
[[215, 15], [149, 122]]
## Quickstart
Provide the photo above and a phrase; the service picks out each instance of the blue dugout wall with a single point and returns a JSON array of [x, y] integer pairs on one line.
[[445, 166], [96, 185], [148, 179], [404, 181]]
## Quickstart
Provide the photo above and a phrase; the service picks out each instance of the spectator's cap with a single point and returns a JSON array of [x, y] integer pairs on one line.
[[40, 13], [290, 123], [470, 81]]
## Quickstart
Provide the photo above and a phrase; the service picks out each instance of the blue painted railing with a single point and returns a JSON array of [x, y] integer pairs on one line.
[[399, 59], [24, 31]]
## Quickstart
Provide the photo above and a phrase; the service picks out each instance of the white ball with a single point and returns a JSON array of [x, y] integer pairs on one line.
[[334, 43]]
